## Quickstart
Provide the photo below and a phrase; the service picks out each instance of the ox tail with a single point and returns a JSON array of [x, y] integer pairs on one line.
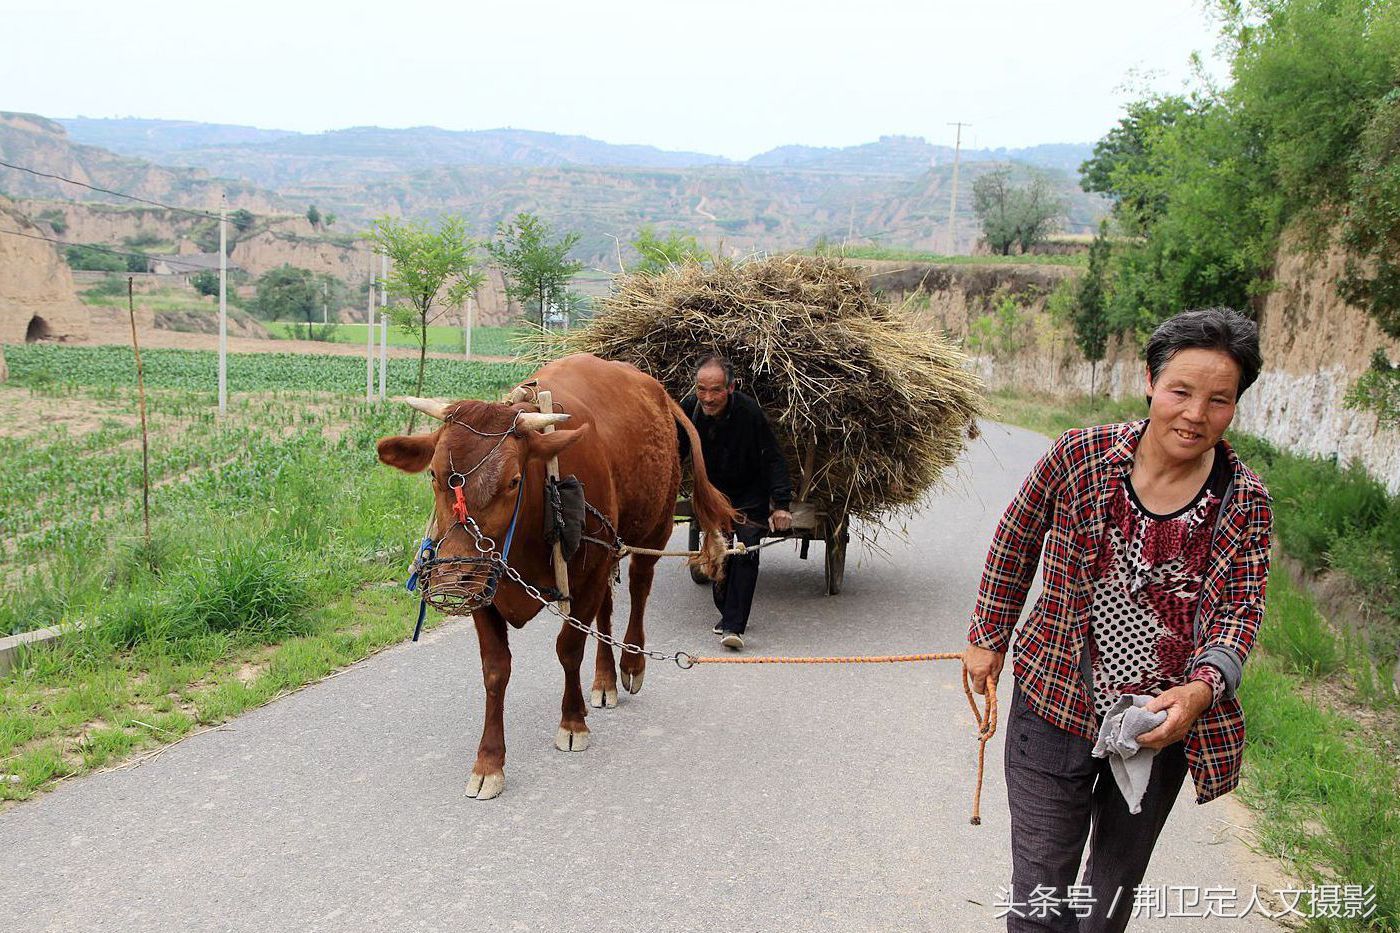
[[712, 508]]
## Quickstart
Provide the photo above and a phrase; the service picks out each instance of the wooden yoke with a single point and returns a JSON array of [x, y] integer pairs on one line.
[[561, 567]]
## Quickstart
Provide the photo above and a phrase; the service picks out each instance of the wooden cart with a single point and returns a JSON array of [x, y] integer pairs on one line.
[[810, 521]]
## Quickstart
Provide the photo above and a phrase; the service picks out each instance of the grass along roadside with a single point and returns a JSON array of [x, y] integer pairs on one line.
[[1322, 764]]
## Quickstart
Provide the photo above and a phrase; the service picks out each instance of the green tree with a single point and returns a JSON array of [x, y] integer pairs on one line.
[[1378, 390], [536, 266], [431, 271], [1015, 215], [313, 216], [1040, 211], [206, 282], [658, 255], [1122, 165], [1371, 230], [1308, 74], [1089, 316], [1207, 183], [89, 259], [287, 293], [329, 220], [206, 237], [290, 293], [242, 220]]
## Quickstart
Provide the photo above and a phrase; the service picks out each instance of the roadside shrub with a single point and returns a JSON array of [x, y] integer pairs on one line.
[[1258, 454], [137, 560], [1372, 559], [245, 587], [1316, 504]]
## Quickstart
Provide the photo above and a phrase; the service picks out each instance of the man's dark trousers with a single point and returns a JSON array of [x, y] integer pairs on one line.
[[1057, 791], [734, 596]]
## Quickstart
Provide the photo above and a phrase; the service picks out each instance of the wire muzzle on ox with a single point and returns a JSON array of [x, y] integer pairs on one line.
[[459, 584]]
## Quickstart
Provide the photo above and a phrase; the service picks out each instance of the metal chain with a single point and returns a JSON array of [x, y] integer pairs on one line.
[[487, 546]]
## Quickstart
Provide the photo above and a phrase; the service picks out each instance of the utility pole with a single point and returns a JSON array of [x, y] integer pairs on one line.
[[325, 306], [383, 324], [953, 201], [369, 336], [467, 325], [223, 303]]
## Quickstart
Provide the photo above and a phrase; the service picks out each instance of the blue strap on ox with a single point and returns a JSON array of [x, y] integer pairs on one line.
[[425, 554]]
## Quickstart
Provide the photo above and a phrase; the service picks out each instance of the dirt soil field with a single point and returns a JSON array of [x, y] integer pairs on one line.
[[21, 415]]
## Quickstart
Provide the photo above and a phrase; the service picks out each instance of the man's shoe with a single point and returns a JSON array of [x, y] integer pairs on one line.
[[733, 640], [719, 628]]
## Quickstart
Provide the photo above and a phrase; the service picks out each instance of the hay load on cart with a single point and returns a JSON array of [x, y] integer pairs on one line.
[[870, 408]]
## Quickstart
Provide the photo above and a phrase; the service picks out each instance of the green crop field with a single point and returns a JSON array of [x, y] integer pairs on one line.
[[197, 370], [486, 341], [277, 553]]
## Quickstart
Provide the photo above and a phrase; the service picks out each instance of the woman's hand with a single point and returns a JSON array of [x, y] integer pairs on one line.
[[1184, 705], [983, 667]]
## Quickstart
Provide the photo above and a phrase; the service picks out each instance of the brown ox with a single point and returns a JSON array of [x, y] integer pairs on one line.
[[620, 441]]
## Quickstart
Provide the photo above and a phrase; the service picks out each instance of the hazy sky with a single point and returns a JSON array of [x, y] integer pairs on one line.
[[733, 78]]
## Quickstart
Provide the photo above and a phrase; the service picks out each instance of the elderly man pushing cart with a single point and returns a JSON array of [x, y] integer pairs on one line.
[[746, 464]]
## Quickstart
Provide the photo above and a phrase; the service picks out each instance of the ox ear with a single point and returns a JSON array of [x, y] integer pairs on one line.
[[543, 446], [410, 453]]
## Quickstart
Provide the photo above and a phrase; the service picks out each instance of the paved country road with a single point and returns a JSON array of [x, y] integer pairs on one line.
[[723, 798]]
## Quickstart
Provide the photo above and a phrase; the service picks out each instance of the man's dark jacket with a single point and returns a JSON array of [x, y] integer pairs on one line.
[[742, 456]]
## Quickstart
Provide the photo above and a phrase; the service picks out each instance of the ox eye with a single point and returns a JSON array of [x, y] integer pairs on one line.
[[515, 482]]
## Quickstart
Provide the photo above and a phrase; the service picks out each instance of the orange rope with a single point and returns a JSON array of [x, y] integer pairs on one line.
[[858, 659], [986, 717]]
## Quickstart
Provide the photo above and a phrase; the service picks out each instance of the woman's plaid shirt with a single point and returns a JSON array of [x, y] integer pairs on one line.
[[1062, 508]]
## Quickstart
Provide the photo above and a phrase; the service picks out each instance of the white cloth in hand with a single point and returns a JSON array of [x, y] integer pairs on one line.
[[1130, 763]]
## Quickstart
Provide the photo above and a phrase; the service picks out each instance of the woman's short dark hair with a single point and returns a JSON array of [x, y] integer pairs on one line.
[[715, 359], [1220, 329]]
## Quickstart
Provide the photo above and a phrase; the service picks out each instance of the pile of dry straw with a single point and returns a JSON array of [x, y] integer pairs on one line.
[[870, 409]]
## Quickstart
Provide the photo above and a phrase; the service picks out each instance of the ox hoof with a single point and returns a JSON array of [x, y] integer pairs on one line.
[[603, 699], [570, 741], [631, 682], [486, 786]]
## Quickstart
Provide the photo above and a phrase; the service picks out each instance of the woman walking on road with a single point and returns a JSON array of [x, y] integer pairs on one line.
[[1155, 541]]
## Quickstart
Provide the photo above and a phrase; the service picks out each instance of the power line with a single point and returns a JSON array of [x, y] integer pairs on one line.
[[191, 266], [116, 194]]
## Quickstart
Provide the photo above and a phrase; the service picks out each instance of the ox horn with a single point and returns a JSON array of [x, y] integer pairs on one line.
[[432, 407], [537, 421]]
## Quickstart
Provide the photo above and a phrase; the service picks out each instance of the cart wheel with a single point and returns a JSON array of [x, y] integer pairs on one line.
[[696, 573], [836, 539]]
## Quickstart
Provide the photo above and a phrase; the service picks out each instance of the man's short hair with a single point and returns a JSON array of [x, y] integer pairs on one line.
[[716, 359], [1222, 329]]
